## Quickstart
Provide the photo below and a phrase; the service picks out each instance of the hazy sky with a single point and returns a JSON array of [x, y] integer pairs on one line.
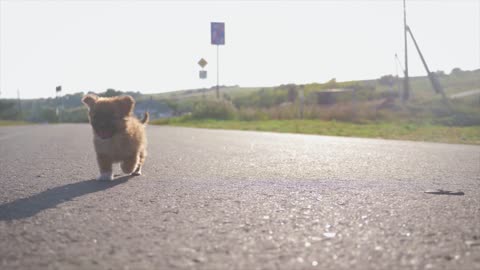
[[154, 46]]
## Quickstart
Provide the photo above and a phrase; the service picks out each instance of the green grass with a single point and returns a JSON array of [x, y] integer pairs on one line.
[[399, 131], [12, 123]]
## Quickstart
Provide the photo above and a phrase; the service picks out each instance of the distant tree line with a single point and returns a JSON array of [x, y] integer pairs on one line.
[[70, 107]]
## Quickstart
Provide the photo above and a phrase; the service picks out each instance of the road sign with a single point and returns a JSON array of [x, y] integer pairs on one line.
[[218, 33], [202, 62], [203, 74], [58, 88]]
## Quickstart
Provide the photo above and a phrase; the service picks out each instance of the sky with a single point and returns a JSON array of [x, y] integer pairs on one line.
[[154, 46]]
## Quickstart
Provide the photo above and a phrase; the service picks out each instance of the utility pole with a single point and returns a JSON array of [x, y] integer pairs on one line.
[[433, 79], [406, 81]]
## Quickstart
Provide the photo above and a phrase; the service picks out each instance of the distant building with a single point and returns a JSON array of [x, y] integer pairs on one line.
[[329, 96]]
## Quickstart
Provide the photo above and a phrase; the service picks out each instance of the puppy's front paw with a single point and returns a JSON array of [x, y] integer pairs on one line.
[[105, 176], [137, 172]]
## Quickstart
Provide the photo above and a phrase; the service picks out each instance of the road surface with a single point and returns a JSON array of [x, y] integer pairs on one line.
[[214, 199]]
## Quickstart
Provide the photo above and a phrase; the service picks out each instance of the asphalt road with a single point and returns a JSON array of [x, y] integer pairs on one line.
[[237, 200]]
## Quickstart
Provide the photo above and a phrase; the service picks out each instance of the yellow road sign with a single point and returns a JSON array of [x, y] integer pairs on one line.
[[202, 62]]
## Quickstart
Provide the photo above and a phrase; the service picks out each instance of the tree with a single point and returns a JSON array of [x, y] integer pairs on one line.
[[292, 93], [49, 115], [331, 84], [440, 73], [386, 80], [456, 71], [8, 110], [111, 93]]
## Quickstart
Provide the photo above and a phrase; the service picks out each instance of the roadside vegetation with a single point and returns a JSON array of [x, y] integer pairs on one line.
[[4, 123], [384, 130], [369, 108]]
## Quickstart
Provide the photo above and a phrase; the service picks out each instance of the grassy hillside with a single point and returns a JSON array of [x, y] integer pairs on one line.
[[370, 108], [372, 100]]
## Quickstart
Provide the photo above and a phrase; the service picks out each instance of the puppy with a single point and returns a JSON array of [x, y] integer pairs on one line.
[[118, 136]]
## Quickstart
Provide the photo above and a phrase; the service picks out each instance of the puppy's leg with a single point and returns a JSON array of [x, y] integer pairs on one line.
[[105, 165], [142, 156], [128, 165]]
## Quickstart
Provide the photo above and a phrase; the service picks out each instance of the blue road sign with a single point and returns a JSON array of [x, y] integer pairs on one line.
[[203, 74], [218, 33]]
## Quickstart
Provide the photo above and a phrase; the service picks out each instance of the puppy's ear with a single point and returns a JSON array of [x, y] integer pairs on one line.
[[126, 104], [89, 100]]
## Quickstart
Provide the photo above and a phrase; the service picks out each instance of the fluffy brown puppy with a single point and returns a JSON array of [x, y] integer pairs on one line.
[[118, 136]]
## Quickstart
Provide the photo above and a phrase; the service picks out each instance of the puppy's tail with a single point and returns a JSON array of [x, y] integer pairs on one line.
[[146, 116]]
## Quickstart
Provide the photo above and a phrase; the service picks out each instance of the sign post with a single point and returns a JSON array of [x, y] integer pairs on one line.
[[203, 73], [218, 38]]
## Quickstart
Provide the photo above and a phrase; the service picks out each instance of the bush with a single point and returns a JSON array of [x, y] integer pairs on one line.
[[459, 115], [77, 115], [213, 109], [341, 112], [460, 119], [251, 114], [9, 110], [49, 115], [386, 80], [264, 98], [172, 120]]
